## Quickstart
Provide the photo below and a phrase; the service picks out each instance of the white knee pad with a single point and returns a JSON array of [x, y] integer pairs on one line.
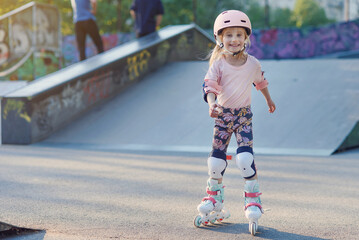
[[245, 163], [216, 167]]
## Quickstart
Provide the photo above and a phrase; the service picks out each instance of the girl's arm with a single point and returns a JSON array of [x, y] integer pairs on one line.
[[213, 106], [269, 100]]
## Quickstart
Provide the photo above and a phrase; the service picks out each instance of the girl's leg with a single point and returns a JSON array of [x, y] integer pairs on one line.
[[211, 207], [244, 136], [217, 161], [245, 162]]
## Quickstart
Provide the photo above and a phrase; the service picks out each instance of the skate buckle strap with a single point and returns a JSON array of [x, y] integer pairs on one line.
[[218, 192], [252, 195], [209, 199], [254, 204]]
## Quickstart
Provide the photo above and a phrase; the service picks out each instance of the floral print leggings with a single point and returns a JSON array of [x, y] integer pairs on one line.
[[233, 120]]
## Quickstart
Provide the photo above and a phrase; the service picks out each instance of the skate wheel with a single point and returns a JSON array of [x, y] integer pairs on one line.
[[197, 221], [226, 214], [253, 228]]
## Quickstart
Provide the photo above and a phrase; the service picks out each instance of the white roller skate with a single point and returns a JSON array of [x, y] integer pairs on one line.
[[211, 208], [252, 204]]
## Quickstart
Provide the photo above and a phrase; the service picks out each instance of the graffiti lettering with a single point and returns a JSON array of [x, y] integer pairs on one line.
[[162, 52], [4, 49], [21, 41], [72, 96], [43, 121], [98, 87], [20, 56], [50, 110], [45, 37], [18, 106], [182, 42], [138, 64]]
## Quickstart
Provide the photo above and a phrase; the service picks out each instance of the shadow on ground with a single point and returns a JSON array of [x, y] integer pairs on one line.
[[263, 232]]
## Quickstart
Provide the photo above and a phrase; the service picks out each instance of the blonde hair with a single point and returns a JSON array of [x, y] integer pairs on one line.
[[217, 52]]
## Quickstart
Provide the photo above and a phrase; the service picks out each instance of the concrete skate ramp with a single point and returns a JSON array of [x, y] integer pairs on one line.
[[34, 112], [317, 111]]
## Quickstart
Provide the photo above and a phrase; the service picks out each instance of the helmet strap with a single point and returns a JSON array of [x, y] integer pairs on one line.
[[221, 45], [243, 48]]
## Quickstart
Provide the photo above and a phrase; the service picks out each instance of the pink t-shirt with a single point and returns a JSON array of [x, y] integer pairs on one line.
[[233, 84]]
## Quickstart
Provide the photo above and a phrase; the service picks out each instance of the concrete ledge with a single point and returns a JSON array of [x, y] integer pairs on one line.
[[34, 112]]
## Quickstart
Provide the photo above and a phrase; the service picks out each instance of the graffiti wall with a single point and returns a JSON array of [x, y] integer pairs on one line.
[[305, 42], [30, 42], [266, 44]]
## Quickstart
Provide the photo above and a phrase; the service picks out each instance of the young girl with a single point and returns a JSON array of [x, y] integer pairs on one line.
[[229, 80]]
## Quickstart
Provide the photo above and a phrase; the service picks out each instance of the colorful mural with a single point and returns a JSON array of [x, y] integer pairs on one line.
[[305, 42], [30, 42], [278, 43]]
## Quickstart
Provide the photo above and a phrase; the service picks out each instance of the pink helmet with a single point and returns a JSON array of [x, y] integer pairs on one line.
[[232, 18]]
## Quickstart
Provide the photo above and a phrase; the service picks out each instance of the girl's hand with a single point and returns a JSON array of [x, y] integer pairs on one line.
[[271, 106], [214, 110]]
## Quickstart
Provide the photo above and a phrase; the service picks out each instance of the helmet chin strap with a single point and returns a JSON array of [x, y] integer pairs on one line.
[[221, 45]]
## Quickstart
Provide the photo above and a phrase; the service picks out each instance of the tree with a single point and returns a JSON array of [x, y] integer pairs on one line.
[[113, 15], [107, 15], [255, 13], [207, 11], [9, 5], [177, 12], [282, 17], [308, 13]]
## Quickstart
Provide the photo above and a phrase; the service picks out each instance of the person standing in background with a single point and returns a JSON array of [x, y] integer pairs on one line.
[[147, 15], [84, 18]]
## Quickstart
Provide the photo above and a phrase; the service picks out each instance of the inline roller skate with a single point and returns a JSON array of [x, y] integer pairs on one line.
[[252, 205], [211, 208]]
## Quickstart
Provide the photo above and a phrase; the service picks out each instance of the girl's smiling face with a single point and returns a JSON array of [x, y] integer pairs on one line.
[[234, 38]]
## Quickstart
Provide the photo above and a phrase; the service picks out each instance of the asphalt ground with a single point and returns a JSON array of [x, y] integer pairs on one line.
[[135, 167], [84, 194]]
